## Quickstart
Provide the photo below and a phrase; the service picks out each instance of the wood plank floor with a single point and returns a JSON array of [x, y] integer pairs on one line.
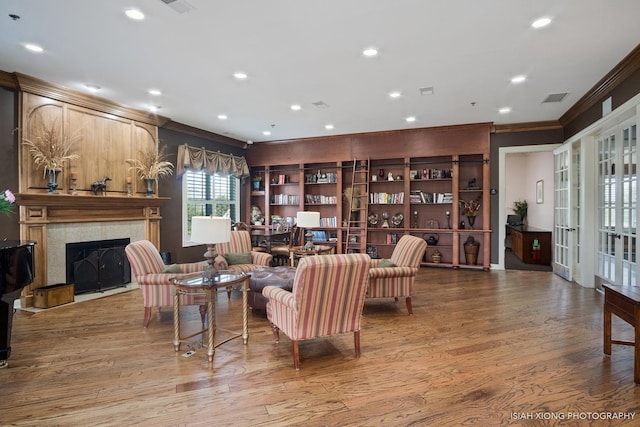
[[483, 348]]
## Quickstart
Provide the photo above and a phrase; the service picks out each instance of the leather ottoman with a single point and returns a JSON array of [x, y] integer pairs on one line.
[[281, 276]]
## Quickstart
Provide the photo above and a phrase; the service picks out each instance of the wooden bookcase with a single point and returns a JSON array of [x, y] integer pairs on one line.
[[419, 188]]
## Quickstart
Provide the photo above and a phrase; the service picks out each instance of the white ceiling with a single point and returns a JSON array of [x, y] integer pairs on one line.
[[308, 51]]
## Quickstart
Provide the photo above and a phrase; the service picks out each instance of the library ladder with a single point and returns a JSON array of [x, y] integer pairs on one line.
[[356, 241]]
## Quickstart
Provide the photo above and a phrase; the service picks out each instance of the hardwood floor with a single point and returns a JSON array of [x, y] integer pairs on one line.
[[483, 348]]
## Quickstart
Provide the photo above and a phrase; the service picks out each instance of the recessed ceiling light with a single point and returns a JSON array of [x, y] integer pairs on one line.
[[370, 51], [33, 47], [395, 94], [541, 22], [134, 14], [266, 133], [296, 107], [222, 116], [518, 79], [504, 110], [93, 88], [154, 92], [328, 127], [240, 75], [410, 119]]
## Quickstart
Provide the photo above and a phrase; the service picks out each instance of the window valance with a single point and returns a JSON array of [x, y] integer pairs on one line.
[[196, 159]]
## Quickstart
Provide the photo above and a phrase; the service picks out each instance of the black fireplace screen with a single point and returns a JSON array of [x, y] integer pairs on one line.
[[98, 265]]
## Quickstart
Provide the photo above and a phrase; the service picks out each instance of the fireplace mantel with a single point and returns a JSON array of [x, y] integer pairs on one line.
[[39, 210]]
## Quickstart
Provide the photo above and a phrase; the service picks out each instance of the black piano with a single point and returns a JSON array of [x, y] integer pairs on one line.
[[16, 272]]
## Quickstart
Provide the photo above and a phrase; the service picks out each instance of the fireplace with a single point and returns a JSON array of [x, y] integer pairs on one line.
[[98, 265]]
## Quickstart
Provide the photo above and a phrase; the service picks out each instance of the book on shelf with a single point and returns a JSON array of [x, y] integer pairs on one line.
[[386, 198]]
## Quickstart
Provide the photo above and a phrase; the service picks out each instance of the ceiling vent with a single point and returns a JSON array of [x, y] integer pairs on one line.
[[180, 6], [555, 97], [320, 104], [428, 90]]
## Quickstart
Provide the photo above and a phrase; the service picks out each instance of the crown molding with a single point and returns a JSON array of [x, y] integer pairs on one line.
[[200, 133], [623, 70], [59, 93], [527, 126], [8, 80]]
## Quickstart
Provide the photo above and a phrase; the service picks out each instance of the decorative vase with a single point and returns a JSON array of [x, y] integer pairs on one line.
[[256, 185], [436, 257], [471, 220], [471, 249], [150, 183], [52, 180]]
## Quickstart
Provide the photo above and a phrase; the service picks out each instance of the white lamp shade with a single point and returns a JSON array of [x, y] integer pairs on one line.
[[308, 219], [210, 229]]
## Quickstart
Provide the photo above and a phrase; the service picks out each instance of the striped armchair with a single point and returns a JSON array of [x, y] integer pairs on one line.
[[156, 286], [241, 243], [326, 299], [394, 282]]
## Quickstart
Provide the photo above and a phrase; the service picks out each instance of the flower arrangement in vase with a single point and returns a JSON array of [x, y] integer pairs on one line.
[[51, 149], [470, 209], [151, 165], [7, 200]]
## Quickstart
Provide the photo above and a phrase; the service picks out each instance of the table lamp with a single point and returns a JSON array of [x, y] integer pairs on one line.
[[308, 220], [210, 230]]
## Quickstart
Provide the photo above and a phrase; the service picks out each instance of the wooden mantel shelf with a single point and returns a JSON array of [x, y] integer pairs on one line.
[[65, 208]]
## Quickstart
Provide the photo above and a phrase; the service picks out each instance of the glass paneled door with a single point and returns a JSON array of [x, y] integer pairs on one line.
[[617, 190], [565, 210]]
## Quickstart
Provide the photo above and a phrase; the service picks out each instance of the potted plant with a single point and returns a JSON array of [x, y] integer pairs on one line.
[[520, 208], [51, 148], [150, 166]]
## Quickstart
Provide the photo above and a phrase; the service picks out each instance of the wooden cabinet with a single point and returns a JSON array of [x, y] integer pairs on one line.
[[522, 243]]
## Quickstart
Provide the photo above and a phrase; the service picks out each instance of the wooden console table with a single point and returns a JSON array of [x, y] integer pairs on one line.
[[522, 237], [624, 302]]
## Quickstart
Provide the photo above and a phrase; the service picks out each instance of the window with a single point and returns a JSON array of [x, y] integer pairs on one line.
[[206, 194]]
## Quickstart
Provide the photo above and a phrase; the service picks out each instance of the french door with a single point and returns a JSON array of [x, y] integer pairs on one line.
[[617, 211], [566, 210]]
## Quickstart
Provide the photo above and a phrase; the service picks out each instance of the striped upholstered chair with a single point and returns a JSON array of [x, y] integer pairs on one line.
[[156, 286], [240, 243], [326, 299], [394, 282]]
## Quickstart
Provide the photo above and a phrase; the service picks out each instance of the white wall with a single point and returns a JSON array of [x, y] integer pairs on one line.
[[523, 171]]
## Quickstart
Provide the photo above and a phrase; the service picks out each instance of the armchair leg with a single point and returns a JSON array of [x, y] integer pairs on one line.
[[276, 333], [296, 355], [356, 342], [147, 317], [409, 308], [203, 313], [229, 293]]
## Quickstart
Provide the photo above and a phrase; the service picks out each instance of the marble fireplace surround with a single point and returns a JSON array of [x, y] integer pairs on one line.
[[53, 220]]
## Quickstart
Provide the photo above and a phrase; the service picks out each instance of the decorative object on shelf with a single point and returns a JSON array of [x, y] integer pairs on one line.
[[520, 207], [129, 192], [352, 193], [374, 178], [257, 217], [390, 176], [256, 182], [471, 185], [385, 217], [308, 220], [415, 219], [432, 240], [373, 219], [51, 149], [398, 177], [413, 174], [462, 225], [381, 173], [150, 166], [471, 248], [7, 200], [372, 251], [73, 186], [210, 230], [448, 214], [433, 224], [52, 180], [100, 186], [470, 209], [436, 256], [397, 220]]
